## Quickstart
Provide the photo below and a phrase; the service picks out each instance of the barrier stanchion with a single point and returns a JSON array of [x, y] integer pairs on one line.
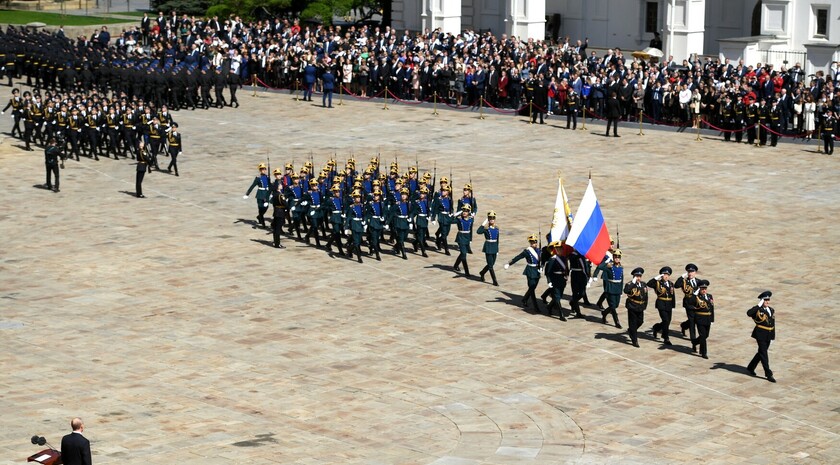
[[531, 111], [254, 85], [698, 133], [297, 98], [641, 117], [341, 94], [435, 105], [583, 127], [819, 138], [758, 134], [481, 107], [385, 97]]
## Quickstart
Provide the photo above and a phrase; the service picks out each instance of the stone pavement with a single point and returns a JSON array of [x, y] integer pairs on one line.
[[179, 335]]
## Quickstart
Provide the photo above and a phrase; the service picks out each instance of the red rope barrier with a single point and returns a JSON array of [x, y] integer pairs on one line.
[[596, 115], [403, 101], [269, 87], [348, 92], [783, 135], [727, 130], [500, 110]]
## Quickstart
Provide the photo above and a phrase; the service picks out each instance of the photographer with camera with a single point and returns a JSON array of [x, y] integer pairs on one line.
[[51, 157]]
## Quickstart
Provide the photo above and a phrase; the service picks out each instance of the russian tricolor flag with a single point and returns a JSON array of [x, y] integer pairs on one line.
[[589, 235]]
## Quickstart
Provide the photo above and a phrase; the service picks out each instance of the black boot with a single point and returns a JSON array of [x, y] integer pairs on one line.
[[493, 275], [483, 270], [466, 269], [456, 266], [615, 318]]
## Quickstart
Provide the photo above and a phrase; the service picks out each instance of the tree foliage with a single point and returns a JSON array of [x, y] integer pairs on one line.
[[320, 10]]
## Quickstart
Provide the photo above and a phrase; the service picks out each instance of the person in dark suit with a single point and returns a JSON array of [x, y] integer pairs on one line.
[[764, 332], [328, 79], [613, 113], [75, 448]]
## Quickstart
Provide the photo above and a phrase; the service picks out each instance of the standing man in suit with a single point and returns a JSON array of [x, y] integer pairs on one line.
[[328, 79], [764, 332], [613, 113], [75, 448]]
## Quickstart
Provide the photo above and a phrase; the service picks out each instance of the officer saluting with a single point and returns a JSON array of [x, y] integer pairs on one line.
[[464, 237], [261, 182], [764, 332], [664, 290], [703, 306], [636, 303], [531, 254], [688, 284]]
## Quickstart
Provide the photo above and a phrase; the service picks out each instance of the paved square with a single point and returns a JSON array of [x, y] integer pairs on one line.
[[180, 336]]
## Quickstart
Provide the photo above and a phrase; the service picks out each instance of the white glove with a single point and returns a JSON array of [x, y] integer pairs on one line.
[[507, 265], [292, 209], [2, 112], [550, 286], [387, 228], [409, 220], [485, 222], [760, 303], [684, 275], [180, 153], [657, 277], [312, 213], [635, 279], [434, 223], [346, 232], [365, 228], [245, 197], [265, 204], [410, 226]]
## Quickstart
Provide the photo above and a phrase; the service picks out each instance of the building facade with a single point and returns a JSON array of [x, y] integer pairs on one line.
[[765, 31]]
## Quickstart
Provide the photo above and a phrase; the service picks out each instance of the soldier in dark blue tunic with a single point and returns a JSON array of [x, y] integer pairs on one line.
[[491, 245], [613, 274], [400, 213], [355, 225], [375, 212], [294, 198], [312, 203], [468, 199], [463, 239], [335, 207], [579, 275], [261, 183], [636, 303], [421, 212], [531, 254], [556, 270], [764, 317], [442, 210]]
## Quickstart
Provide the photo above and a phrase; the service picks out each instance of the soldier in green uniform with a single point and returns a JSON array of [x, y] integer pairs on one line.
[[375, 212], [556, 270], [687, 283], [261, 183], [764, 317], [421, 212], [463, 238], [491, 245], [703, 306], [636, 303], [613, 275], [442, 210], [51, 157], [665, 302], [531, 255], [355, 225]]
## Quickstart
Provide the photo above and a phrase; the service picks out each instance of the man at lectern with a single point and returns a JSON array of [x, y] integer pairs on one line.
[[75, 448]]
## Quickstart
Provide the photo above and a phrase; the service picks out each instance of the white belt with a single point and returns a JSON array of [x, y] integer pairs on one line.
[[357, 219], [464, 232], [402, 216], [492, 240], [422, 214], [614, 280], [262, 188], [532, 264]]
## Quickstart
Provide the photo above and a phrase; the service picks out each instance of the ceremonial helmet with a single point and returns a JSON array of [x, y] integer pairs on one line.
[[290, 166], [466, 207], [313, 182], [491, 214], [261, 166], [424, 190], [617, 254], [444, 179], [533, 238], [335, 188], [357, 193], [412, 169], [374, 161], [404, 190], [427, 175], [293, 176], [377, 191], [277, 171], [308, 164], [468, 187], [369, 170], [376, 182], [446, 189]]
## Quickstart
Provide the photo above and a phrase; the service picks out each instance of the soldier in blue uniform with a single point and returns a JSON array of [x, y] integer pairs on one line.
[[421, 212], [463, 238], [764, 317], [355, 225], [703, 306], [579, 275], [556, 270], [261, 183], [636, 303], [665, 302], [613, 274], [375, 212], [312, 202], [491, 245], [442, 210], [687, 283], [335, 206], [400, 213], [531, 255], [468, 199], [294, 198]]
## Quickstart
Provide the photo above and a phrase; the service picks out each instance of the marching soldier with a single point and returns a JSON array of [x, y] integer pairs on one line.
[[636, 303], [16, 104], [278, 214], [401, 219], [421, 213], [112, 125], [354, 224], [336, 208], [51, 156], [764, 317], [828, 129], [93, 125], [463, 238], [261, 183], [375, 218], [703, 306], [313, 200], [687, 283], [665, 303], [74, 128], [579, 275], [28, 124], [294, 198], [613, 274], [531, 254], [491, 245], [156, 132], [442, 208], [752, 122], [556, 270], [175, 148], [142, 166], [468, 199]]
